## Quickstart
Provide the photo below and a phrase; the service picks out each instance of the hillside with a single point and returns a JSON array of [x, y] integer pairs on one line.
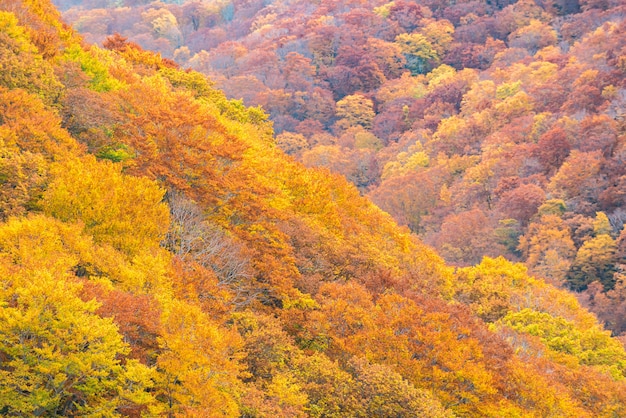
[[162, 256], [488, 128]]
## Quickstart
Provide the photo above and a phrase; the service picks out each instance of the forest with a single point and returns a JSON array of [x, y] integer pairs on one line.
[[488, 128], [188, 219]]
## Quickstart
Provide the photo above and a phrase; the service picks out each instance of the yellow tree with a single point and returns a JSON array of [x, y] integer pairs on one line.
[[440, 34], [58, 357], [355, 110], [198, 365], [384, 393], [22, 66], [548, 247], [116, 209]]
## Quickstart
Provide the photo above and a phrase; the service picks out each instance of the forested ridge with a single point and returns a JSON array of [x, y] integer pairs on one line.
[[161, 255], [487, 127]]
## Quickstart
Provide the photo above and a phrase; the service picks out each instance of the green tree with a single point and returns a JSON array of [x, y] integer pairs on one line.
[[421, 56], [595, 260], [590, 345]]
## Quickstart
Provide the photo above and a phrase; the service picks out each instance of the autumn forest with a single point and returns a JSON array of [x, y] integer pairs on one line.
[[290, 208]]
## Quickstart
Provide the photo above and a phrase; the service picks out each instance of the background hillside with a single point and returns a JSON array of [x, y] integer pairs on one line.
[[488, 128], [161, 256]]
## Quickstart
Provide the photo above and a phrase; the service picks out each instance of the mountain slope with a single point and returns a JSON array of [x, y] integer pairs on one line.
[[467, 121], [161, 256]]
